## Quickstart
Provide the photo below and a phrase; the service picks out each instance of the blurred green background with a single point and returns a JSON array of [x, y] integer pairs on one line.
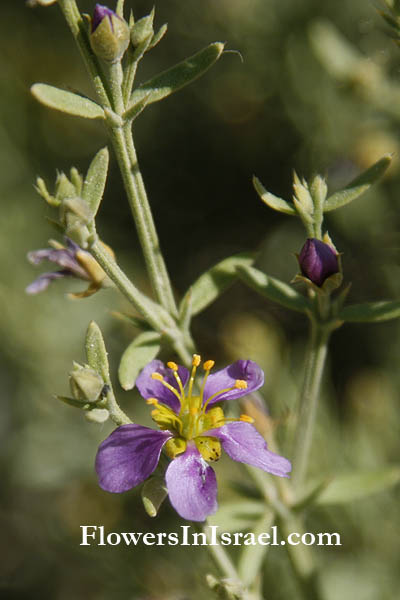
[[290, 104]]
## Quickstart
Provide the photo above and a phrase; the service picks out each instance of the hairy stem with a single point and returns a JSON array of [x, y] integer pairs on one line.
[[79, 31], [112, 97], [319, 335]]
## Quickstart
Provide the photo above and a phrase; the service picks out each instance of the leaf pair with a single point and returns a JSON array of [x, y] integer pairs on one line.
[[155, 89]]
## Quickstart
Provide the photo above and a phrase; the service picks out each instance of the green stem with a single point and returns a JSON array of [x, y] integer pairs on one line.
[[302, 560], [319, 335], [126, 155], [146, 307], [141, 211], [78, 30], [116, 413]]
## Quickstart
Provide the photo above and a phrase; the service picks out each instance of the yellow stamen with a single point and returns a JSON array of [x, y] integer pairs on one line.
[[217, 394], [240, 384], [208, 365], [179, 382], [152, 401], [196, 360], [246, 419], [157, 376], [172, 365]]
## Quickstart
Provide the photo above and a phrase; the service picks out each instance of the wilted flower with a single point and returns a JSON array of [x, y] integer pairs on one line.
[[74, 261], [318, 261], [109, 37], [192, 431]]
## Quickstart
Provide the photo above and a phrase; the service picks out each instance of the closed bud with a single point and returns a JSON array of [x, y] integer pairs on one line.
[[64, 188], [142, 30], [109, 37], [86, 385], [318, 261]]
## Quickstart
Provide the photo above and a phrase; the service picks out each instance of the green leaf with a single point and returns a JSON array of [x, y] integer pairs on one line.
[[354, 486], [141, 351], [177, 77], [95, 181], [96, 352], [238, 515], [72, 402], [67, 102], [213, 282], [359, 185], [273, 201], [274, 289], [371, 311]]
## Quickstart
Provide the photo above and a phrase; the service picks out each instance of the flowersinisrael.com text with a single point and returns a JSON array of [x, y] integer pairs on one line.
[[95, 535]]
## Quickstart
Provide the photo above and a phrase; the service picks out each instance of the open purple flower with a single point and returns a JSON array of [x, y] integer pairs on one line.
[[193, 431], [74, 262]]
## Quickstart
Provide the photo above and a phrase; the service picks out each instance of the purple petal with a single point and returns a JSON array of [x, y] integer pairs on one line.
[[242, 442], [44, 280], [128, 456], [151, 388], [62, 257], [247, 370], [192, 486]]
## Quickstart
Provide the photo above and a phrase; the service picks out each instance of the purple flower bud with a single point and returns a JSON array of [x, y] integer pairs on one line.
[[99, 13], [318, 261], [110, 34]]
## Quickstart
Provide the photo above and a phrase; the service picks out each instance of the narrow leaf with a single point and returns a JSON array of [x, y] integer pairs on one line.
[[274, 289], [273, 201], [213, 282], [72, 402], [95, 181], [359, 185], [96, 352], [141, 351], [177, 77], [371, 311], [67, 102], [347, 488]]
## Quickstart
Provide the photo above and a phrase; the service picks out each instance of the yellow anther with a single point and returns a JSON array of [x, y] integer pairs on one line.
[[246, 419], [196, 360], [193, 411], [157, 376], [208, 365], [172, 365], [152, 401], [240, 384]]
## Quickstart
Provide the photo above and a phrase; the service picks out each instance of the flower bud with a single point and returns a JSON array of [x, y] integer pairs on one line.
[[142, 30], [318, 261], [85, 383], [110, 34]]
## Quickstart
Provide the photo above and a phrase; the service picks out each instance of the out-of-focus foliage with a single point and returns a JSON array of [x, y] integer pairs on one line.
[[279, 109]]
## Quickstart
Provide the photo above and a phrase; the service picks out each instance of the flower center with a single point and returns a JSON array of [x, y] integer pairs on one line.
[[194, 418]]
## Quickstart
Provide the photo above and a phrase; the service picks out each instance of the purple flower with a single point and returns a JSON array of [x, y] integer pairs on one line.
[[74, 262], [318, 261], [193, 430]]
